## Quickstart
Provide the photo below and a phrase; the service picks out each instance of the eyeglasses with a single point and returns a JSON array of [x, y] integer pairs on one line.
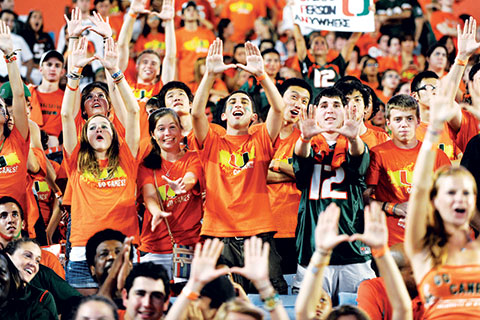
[[426, 87], [372, 64]]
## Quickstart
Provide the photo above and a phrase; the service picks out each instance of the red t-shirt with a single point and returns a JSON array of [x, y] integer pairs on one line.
[[391, 171], [186, 208], [50, 106]]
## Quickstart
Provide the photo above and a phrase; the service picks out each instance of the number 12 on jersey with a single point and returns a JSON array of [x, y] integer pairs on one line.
[[323, 189]]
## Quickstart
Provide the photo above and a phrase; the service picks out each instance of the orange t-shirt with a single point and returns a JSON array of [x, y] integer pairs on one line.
[[284, 196], [243, 14], [50, 105], [154, 42], [391, 171], [440, 17], [451, 292], [13, 167], [44, 193], [446, 142], [386, 63], [374, 137], [116, 22], [237, 203], [373, 299], [141, 91], [51, 261], [107, 201], [186, 208], [468, 129], [32, 214], [191, 45]]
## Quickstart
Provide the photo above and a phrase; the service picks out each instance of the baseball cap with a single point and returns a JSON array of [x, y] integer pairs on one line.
[[51, 53], [189, 4], [6, 91]]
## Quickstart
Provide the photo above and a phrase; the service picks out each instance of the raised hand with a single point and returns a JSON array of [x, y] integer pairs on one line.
[[102, 27], [6, 44], [178, 186], [254, 60], [214, 62], [138, 6], [74, 25], [308, 123], [326, 232], [467, 45], [351, 126], [375, 234], [168, 10], [79, 54], [110, 58], [441, 108], [256, 261], [204, 262]]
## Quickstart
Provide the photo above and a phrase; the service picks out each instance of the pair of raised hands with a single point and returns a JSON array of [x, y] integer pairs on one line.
[[215, 65], [375, 234]]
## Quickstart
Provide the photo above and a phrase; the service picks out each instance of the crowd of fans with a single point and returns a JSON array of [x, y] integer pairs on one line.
[[259, 147]]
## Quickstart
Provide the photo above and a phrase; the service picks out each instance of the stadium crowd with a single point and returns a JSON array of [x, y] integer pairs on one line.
[[172, 159]]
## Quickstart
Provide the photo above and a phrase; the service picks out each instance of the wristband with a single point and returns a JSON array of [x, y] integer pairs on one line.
[[58, 194], [117, 74], [262, 77], [118, 79], [72, 89], [461, 62], [305, 140], [378, 253], [11, 54], [133, 15], [73, 38], [11, 59], [435, 132], [388, 207], [77, 71], [271, 302], [191, 295]]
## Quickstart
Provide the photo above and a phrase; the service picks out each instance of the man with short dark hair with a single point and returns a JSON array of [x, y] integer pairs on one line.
[[330, 161], [11, 220], [146, 292]]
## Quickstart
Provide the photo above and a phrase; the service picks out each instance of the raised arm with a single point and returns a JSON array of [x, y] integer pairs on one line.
[[203, 271], [300, 44], [256, 270], [19, 103], [170, 60], [376, 237], [348, 47], [326, 238], [132, 120], [256, 67], [126, 32], [419, 204], [79, 60], [467, 45], [214, 67]]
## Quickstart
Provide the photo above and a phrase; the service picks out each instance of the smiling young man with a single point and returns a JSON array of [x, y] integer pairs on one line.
[[330, 161], [392, 163], [236, 163], [11, 218], [282, 191], [146, 292]]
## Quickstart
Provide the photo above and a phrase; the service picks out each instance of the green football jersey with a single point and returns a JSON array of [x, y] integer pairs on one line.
[[321, 185]]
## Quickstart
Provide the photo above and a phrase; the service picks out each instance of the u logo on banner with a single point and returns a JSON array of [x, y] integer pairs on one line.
[[366, 4]]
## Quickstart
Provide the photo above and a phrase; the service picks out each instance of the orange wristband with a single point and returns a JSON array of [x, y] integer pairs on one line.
[[191, 295], [276, 165], [378, 253], [305, 140], [133, 15], [262, 77], [73, 89]]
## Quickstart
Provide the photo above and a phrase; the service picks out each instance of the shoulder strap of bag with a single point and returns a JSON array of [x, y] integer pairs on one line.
[[160, 202]]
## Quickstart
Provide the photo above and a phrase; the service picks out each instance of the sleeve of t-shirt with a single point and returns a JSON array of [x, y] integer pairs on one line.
[[468, 129], [266, 141], [441, 160], [42, 161], [373, 171], [194, 165], [145, 176], [358, 165], [204, 150], [367, 302], [70, 160], [303, 169]]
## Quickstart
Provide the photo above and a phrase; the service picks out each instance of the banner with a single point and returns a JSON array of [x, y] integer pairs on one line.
[[335, 15]]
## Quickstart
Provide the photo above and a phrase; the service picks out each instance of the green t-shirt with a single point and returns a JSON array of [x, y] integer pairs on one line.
[[321, 185], [31, 303]]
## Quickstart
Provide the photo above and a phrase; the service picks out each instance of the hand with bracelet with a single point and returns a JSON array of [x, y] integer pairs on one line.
[[256, 270], [79, 60], [110, 60], [375, 233]]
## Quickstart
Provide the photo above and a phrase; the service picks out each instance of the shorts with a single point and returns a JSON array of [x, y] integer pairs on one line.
[[165, 259], [78, 275], [340, 278]]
